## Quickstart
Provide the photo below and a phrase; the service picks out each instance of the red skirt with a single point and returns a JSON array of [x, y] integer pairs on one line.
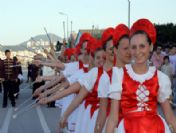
[[143, 122]]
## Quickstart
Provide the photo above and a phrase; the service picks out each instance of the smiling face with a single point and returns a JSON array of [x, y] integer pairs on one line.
[[140, 48], [123, 51], [109, 50], [99, 58]]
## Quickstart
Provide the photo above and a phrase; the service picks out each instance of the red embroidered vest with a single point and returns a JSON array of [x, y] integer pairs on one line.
[[139, 105]]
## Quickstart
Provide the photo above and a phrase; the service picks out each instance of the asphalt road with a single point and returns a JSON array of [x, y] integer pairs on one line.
[[40, 119]]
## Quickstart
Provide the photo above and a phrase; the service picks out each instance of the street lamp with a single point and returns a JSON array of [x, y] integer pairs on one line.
[[62, 13], [71, 27], [129, 13], [64, 28]]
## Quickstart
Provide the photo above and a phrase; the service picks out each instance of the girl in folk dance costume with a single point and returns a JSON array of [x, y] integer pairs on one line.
[[121, 50], [108, 46], [99, 61], [138, 88]]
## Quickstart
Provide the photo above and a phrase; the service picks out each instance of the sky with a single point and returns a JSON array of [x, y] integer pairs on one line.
[[22, 19]]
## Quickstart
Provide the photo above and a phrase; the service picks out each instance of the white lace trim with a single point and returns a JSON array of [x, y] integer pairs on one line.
[[140, 77]]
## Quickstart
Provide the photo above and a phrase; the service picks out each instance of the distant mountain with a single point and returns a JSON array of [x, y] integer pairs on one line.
[[23, 45], [53, 37]]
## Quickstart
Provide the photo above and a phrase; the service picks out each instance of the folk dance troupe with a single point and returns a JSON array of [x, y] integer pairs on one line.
[[108, 85]]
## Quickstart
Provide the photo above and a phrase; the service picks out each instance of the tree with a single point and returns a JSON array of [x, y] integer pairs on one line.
[[166, 33]]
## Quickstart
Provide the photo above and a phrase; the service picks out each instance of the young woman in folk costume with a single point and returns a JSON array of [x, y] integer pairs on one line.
[[108, 46], [121, 50], [69, 69], [138, 87]]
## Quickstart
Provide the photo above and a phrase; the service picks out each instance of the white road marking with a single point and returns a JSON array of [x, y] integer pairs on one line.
[[43, 121], [7, 121]]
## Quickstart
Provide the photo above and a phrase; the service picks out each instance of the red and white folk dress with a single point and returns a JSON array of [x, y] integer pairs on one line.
[[88, 110], [139, 95]]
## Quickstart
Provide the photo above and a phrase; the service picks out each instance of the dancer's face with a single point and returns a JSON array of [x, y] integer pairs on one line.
[[140, 48], [110, 50], [123, 51], [99, 58]]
